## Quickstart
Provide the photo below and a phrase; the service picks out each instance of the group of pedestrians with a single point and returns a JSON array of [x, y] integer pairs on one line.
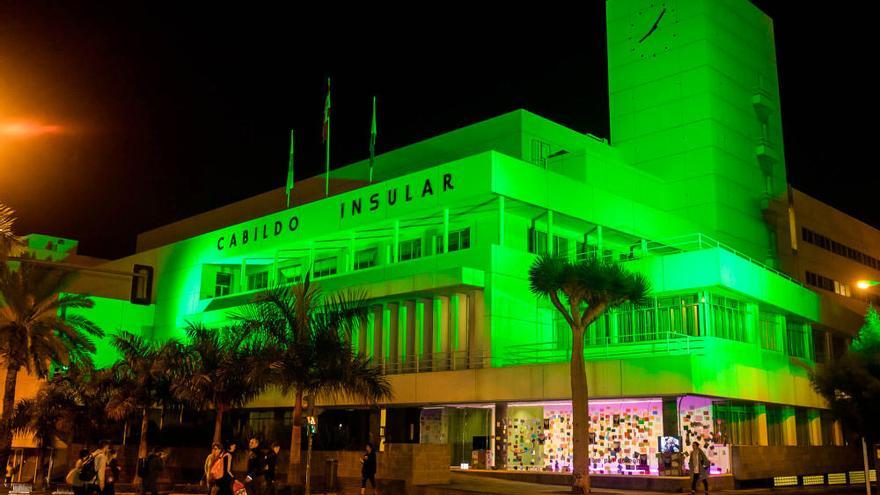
[[261, 469], [95, 472]]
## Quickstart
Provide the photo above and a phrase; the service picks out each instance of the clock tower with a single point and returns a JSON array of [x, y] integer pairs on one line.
[[694, 99]]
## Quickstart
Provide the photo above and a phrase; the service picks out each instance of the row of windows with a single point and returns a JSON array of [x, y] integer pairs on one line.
[[828, 284], [538, 245], [409, 249], [839, 249]]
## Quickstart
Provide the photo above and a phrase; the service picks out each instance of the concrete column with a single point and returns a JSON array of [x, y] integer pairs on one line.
[[445, 230], [425, 333], [789, 426], [351, 253], [501, 221], [761, 424], [392, 312], [441, 333], [458, 317], [550, 233], [395, 240], [409, 323], [814, 423], [242, 280], [838, 433], [600, 243], [480, 338], [364, 334], [378, 315]]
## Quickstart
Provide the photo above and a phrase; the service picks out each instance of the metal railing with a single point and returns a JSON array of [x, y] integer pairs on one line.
[[696, 242], [437, 361], [629, 346]]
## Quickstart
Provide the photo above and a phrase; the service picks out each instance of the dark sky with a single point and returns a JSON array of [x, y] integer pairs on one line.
[[168, 110]]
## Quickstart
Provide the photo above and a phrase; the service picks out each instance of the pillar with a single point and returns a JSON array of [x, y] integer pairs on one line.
[[441, 333], [550, 233], [458, 323], [814, 423], [761, 424], [425, 331], [378, 317], [501, 221], [789, 426], [445, 230], [392, 312], [500, 440], [600, 243], [408, 322], [395, 240]]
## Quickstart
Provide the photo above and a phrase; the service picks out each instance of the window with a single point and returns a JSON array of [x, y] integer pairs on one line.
[[802, 426], [365, 258], [775, 420], [839, 249], [826, 421], [828, 284], [560, 246], [257, 281], [537, 241], [325, 267], [409, 250], [222, 284], [736, 422], [838, 346], [141, 284], [460, 239], [292, 274], [769, 325], [729, 316], [540, 152], [796, 340], [820, 346], [585, 251]]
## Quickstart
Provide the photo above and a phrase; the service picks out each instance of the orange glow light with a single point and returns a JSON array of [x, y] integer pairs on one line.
[[27, 129]]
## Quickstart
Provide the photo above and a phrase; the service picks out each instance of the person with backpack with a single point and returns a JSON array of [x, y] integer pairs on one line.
[[112, 473], [92, 470], [154, 466], [72, 477], [221, 470], [213, 457]]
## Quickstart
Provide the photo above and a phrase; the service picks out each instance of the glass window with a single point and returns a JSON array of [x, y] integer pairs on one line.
[[257, 281], [584, 251], [460, 239], [820, 346], [365, 258], [409, 250], [325, 267], [802, 426], [769, 325], [735, 422], [796, 340], [537, 241], [560, 246], [292, 274], [774, 425], [729, 316], [222, 284]]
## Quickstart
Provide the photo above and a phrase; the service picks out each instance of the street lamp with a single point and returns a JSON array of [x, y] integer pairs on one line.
[[866, 284]]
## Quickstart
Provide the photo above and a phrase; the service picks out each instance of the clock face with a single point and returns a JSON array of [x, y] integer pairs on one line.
[[652, 29]]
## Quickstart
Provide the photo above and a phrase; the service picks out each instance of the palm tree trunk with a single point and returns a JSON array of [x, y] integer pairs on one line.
[[6, 417], [38, 472], [580, 415], [142, 445], [218, 424], [295, 441]]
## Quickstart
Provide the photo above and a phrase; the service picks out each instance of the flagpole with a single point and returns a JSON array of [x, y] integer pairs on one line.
[[290, 178], [373, 140], [327, 150]]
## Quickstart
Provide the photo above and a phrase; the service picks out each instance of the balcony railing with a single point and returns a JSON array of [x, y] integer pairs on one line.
[[629, 346], [696, 242], [437, 361]]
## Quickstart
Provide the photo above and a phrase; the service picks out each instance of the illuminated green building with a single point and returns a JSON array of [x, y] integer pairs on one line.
[[443, 238]]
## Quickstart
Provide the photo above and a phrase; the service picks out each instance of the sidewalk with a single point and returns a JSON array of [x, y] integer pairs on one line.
[[467, 484]]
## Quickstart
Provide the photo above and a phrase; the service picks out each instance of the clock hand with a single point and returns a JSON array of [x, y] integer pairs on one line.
[[654, 27]]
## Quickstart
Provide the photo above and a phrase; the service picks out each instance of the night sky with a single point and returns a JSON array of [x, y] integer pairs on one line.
[[154, 112]]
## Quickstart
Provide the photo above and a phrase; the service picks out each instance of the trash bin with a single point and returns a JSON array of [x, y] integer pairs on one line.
[[332, 471]]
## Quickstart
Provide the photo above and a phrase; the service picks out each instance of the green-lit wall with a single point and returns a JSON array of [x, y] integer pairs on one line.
[[694, 99]]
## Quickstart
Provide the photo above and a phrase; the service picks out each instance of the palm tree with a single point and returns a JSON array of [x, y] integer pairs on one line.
[[9, 242], [582, 291], [52, 413], [138, 381], [216, 368], [38, 326], [312, 355]]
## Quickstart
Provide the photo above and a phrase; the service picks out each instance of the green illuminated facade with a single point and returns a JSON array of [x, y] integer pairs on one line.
[[443, 238]]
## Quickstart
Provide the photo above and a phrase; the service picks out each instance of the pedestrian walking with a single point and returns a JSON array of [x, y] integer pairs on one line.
[[368, 469], [93, 469], [112, 473], [212, 459], [699, 465], [271, 465], [221, 471], [152, 470], [72, 478], [256, 469]]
